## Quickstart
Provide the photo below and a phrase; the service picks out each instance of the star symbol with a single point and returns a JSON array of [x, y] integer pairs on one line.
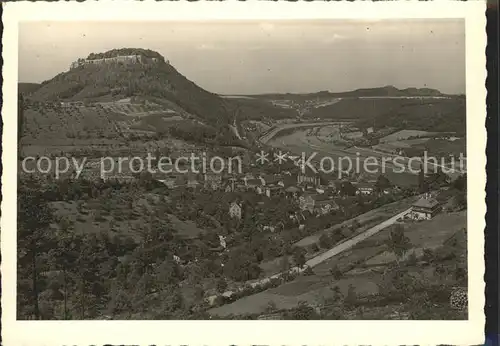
[[262, 157], [280, 157]]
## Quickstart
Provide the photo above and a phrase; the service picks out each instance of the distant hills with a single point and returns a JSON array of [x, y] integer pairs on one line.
[[386, 91]]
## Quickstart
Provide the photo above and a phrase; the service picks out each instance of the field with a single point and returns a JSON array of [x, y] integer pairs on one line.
[[443, 147], [392, 147], [405, 134], [49, 122], [353, 135], [363, 267]]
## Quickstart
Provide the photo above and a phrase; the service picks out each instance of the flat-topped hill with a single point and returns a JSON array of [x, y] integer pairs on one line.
[[118, 81], [148, 53]]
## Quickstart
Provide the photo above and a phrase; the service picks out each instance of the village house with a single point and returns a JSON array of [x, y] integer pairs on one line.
[[121, 178], [332, 184], [308, 178], [292, 192], [364, 188], [90, 175], [273, 190], [324, 204], [254, 184], [317, 203], [248, 175], [307, 186], [235, 210], [276, 179], [306, 202], [222, 241], [192, 181], [171, 180], [232, 183], [212, 181], [425, 208]]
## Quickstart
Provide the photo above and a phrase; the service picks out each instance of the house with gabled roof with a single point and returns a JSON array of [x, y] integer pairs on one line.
[[171, 180], [364, 188], [254, 184], [308, 177], [292, 192], [425, 208], [212, 181], [273, 190], [235, 209], [192, 180], [306, 202], [324, 204], [317, 203]]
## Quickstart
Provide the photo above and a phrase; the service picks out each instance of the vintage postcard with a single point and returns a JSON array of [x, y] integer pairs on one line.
[[181, 173]]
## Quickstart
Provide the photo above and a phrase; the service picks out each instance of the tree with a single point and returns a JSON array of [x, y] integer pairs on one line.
[[355, 225], [299, 256], [271, 306], [34, 217], [347, 189], [303, 312], [336, 272], [325, 242], [461, 182], [64, 256], [422, 185], [309, 272], [241, 266], [382, 183], [437, 180], [285, 263], [221, 285], [351, 296], [398, 243]]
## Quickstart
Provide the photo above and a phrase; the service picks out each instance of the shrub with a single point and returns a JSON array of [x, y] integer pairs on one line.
[[325, 241], [98, 217], [351, 297], [308, 271], [221, 285], [412, 259], [271, 306], [428, 255], [314, 248], [80, 219], [336, 272]]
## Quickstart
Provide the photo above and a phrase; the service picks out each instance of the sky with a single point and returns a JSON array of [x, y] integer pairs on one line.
[[263, 57]]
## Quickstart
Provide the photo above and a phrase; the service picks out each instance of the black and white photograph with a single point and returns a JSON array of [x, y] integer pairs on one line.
[[295, 169]]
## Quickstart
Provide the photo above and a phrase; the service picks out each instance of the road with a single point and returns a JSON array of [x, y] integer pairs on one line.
[[346, 245], [337, 249]]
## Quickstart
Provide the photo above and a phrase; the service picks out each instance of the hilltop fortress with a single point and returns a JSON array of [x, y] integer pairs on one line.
[[121, 56]]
